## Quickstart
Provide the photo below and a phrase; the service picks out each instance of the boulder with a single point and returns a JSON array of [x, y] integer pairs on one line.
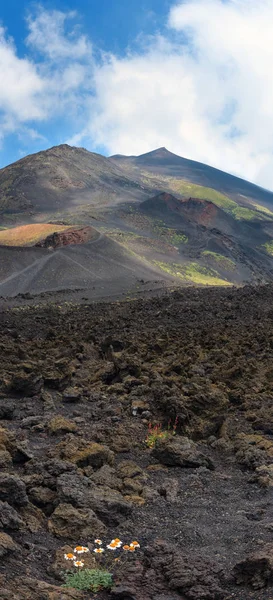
[[83, 453], [26, 384], [194, 577], [42, 497], [7, 544], [180, 451], [25, 588], [5, 459], [73, 489], [111, 507], [61, 565], [7, 408], [72, 395], [263, 476], [72, 523], [60, 424], [9, 518], [12, 490], [256, 570], [108, 476]]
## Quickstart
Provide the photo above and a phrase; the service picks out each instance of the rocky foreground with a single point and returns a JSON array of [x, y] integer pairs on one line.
[[78, 387]]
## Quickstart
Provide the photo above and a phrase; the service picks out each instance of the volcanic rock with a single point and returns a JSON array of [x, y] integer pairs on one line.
[[180, 452], [256, 570], [60, 424], [28, 384], [7, 544], [194, 577], [9, 518], [12, 490], [72, 523], [84, 453], [79, 235], [25, 588]]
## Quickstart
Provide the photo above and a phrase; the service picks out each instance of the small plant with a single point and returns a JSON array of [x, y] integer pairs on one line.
[[99, 578], [89, 579], [155, 432]]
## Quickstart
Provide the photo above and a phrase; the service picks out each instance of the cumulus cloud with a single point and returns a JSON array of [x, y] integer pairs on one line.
[[49, 33], [20, 90], [50, 82], [205, 91], [203, 87]]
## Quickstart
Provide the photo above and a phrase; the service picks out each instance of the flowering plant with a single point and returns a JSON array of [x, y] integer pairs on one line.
[[82, 578], [155, 432]]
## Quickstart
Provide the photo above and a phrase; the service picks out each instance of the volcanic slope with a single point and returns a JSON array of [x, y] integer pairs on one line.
[[60, 179], [216, 236], [101, 265], [161, 162], [197, 241]]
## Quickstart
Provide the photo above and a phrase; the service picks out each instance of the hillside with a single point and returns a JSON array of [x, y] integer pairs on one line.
[[60, 179], [169, 218], [64, 262], [161, 162]]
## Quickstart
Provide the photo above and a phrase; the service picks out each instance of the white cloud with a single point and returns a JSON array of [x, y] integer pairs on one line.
[[204, 89], [35, 90], [210, 99], [48, 35], [20, 87]]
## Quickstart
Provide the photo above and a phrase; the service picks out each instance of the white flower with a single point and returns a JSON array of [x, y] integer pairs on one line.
[[69, 556], [99, 542], [78, 563], [99, 550], [81, 549]]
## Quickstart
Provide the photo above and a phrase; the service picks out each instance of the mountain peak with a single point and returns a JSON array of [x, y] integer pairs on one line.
[[157, 153]]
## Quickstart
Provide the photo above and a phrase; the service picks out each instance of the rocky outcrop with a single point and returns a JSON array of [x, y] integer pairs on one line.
[[80, 235], [256, 570]]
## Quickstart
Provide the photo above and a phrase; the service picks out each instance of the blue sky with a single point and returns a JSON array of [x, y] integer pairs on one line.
[[128, 76], [112, 24]]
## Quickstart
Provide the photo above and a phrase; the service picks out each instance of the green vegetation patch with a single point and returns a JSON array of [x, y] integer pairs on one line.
[[171, 235], [193, 272], [89, 579], [246, 214], [269, 247], [240, 213], [263, 209], [223, 261], [186, 188]]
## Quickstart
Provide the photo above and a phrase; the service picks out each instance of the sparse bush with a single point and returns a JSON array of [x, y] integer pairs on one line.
[[156, 433]]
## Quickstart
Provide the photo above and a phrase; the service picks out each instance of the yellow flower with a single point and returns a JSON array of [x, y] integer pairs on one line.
[[132, 549], [69, 556], [126, 547], [99, 542], [135, 544], [81, 549], [99, 550], [79, 563]]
